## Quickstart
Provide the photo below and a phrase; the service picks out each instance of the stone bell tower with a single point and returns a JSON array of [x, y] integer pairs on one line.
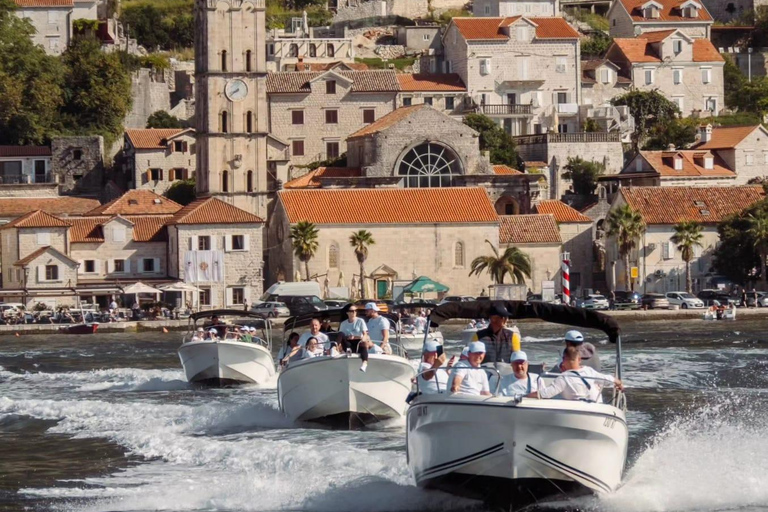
[[231, 102]]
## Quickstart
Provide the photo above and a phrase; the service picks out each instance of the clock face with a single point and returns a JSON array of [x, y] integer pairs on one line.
[[236, 90]]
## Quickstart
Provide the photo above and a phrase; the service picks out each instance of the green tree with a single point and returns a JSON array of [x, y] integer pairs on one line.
[[304, 242], [97, 90], [360, 241], [162, 119], [758, 230], [679, 133], [182, 192], [595, 45], [733, 80], [687, 237], [494, 139], [627, 226], [583, 174], [648, 108], [735, 256], [512, 262], [30, 83]]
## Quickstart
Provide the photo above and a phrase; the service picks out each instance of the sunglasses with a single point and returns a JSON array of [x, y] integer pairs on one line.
[[352, 311]]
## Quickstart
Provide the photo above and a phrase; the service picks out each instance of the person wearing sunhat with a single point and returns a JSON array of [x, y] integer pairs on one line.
[[497, 338], [470, 380], [520, 381], [432, 379]]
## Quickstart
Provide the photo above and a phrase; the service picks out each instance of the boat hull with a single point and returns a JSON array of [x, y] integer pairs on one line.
[[80, 329], [512, 455], [226, 362], [414, 342], [327, 387]]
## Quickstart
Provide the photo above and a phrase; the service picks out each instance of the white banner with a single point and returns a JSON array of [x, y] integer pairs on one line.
[[203, 266]]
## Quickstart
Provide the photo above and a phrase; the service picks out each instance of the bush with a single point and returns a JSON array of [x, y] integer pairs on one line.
[[182, 192], [162, 119], [376, 63], [595, 45], [583, 174], [494, 139]]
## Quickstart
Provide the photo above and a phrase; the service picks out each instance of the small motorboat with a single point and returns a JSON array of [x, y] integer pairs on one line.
[[332, 388], [229, 357], [409, 331], [512, 451], [83, 328]]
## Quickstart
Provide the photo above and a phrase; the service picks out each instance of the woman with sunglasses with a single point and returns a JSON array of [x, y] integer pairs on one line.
[[351, 333]]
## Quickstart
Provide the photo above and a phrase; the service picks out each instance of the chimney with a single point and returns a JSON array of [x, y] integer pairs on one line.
[[671, 147], [705, 132]]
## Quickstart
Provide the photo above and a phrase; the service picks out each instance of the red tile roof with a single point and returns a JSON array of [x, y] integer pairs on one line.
[[705, 51], [656, 36], [388, 120], [663, 163], [636, 49], [138, 202], [209, 210], [491, 28], [312, 178], [362, 81], [87, 229], [427, 82], [561, 211], [670, 11], [504, 170], [22, 151], [389, 206], [670, 205], [17, 206], [152, 138], [150, 228], [640, 48], [726, 137], [37, 219], [528, 229], [31, 256], [45, 3]]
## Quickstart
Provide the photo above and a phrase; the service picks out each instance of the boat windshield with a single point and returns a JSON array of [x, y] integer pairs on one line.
[[230, 325]]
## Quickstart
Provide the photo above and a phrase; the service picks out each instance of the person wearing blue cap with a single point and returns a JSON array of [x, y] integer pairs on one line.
[[432, 379], [471, 380], [520, 382]]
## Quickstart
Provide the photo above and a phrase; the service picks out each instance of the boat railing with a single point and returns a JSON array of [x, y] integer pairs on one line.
[[618, 400], [233, 333], [490, 371]]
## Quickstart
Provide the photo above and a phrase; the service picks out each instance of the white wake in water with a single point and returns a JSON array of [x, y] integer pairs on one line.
[[714, 459], [113, 379]]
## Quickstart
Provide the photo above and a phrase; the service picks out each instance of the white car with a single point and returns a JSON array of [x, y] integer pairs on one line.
[[10, 308], [595, 302], [271, 309], [455, 298], [684, 300]]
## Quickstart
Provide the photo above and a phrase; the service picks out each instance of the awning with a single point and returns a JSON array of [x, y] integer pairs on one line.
[[423, 284], [178, 287], [140, 287]]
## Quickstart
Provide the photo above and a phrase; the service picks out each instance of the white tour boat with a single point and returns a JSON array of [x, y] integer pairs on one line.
[[228, 358], [333, 387], [514, 451]]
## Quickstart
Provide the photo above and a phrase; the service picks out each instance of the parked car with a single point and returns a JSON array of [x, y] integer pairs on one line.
[[302, 304], [536, 297], [336, 303], [10, 308], [685, 300], [709, 297], [271, 309], [654, 301], [762, 299], [455, 298], [594, 301], [627, 300]]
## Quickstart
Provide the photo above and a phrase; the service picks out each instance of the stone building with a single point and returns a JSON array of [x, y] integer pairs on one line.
[[13, 207], [742, 149], [576, 233], [78, 164], [629, 18], [350, 10], [522, 71], [538, 237], [52, 20], [154, 158], [26, 165], [688, 71], [444, 229], [423, 37], [676, 168], [287, 51], [443, 91], [660, 265], [601, 81], [504, 8]]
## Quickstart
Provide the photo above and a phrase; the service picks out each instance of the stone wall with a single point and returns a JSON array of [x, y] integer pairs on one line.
[[621, 25], [360, 9], [493, 8], [52, 26], [183, 162], [545, 265], [150, 92], [78, 163], [104, 255], [577, 240]]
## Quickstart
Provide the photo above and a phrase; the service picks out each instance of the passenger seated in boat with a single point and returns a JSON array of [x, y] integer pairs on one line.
[[433, 377], [290, 349], [520, 381], [314, 332], [326, 326], [351, 334], [468, 380], [212, 334], [577, 382], [589, 355], [245, 335], [199, 335], [378, 329], [471, 325], [308, 351]]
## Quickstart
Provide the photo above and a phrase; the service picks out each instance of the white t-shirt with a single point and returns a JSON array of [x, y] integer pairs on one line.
[[322, 339], [356, 328], [474, 381], [512, 386], [376, 326], [437, 384], [570, 386]]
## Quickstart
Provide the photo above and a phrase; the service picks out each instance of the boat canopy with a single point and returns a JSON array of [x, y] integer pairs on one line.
[[240, 313], [333, 314], [411, 305], [554, 313]]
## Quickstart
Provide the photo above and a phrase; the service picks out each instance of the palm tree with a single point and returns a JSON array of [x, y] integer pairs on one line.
[[513, 262], [758, 230], [627, 225], [687, 236], [304, 242], [360, 241]]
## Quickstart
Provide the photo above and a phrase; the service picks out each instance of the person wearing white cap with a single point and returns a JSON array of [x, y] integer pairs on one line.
[[378, 328], [353, 333], [578, 382], [520, 381], [212, 334], [432, 379], [199, 335], [589, 356], [468, 380]]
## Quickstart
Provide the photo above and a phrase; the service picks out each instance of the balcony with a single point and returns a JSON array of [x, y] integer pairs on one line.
[[26, 179], [504, 110], [568, 109], [578, 137]]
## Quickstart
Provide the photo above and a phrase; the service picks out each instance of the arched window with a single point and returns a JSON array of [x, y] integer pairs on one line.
[[249, 181], [224, 124], [223, 60], [225, 181], [458, 254], [293, 50], [330, 51], [429, 165], [333, 255], [249, 122], [248, 60], [507, 205], [313, 50]]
